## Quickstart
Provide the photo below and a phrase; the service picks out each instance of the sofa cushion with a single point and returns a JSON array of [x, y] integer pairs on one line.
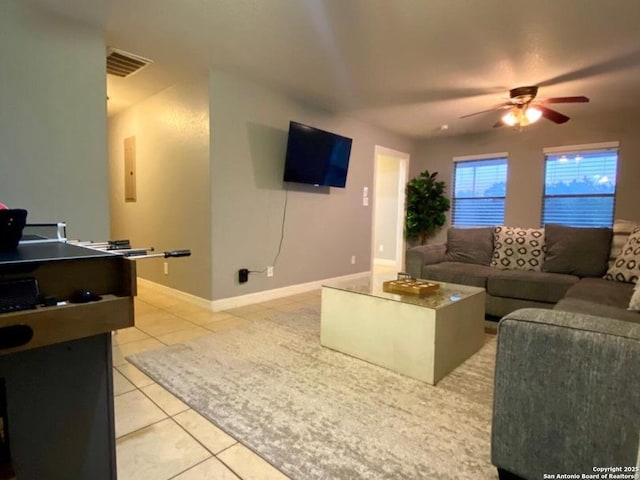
[[601, 291], [626, 268], [634, 303], [518, 248], [470, 245], [592, 308], [577, 251], [536, 286], [621, 231], [457, 272]]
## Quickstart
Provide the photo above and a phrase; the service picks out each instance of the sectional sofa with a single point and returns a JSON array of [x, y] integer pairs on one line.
[[564, 268]]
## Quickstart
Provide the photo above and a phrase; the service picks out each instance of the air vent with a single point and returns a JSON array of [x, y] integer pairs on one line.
[[123, 64]]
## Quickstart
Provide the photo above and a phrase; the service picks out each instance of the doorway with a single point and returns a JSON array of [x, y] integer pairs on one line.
[[390, 178]]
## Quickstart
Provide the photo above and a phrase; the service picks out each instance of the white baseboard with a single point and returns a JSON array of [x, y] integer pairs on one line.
[[172, 292], [248, 299], [266, 295]]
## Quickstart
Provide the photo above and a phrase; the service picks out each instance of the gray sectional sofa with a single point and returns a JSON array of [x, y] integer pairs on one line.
[[569, 277]]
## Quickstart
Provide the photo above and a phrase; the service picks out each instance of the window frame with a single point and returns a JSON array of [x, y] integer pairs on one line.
[[454, 199], [576, 150]]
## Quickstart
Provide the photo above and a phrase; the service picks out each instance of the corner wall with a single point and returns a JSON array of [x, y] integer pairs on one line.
[[525, 182], [53, 121], [173, 207], [324, 226]]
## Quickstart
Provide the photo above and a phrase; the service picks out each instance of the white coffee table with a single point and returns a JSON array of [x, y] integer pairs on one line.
[[423, 338]]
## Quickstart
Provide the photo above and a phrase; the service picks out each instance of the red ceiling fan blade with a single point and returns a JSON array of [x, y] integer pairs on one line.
[[566, 100], [552, 115], [499, 107]]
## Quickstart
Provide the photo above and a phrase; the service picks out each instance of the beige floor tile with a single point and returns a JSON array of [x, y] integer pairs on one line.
[[134, 411], [183, 335], [202, 318], [122, 351], [158, 452], [227, 324], [121, 384], [161, 324], [134, 375], [214, 439], [184, 309], [248, 465], [240, 311], [141, 306], [168, 402], [212, 469], [128, 335]]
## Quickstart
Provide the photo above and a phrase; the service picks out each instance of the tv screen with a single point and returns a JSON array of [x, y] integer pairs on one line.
[[316, 157]]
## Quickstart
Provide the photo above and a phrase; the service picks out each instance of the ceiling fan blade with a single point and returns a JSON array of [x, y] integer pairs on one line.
[[499, 107], [620, 63], [580, 99], [552, 115], [499, 123]]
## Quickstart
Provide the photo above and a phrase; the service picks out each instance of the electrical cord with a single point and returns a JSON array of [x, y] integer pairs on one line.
[[284, 218]]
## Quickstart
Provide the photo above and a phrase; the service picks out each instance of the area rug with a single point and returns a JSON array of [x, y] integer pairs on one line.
[[316, 414]]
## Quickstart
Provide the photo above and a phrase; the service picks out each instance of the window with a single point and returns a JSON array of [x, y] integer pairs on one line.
[[479, 189], [580, 188]]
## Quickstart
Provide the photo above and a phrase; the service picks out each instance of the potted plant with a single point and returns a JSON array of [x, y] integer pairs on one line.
[[426, 206]]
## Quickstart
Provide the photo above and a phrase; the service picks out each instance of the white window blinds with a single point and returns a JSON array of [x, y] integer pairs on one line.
[[479, 189]]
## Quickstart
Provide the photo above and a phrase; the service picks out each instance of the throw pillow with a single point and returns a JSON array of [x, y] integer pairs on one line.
[[626, 268], [518, 248], [621, 231], [470, 245], [634, 304], [576, 251]]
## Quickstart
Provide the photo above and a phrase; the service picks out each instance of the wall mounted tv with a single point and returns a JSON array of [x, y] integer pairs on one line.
[[316, 157]]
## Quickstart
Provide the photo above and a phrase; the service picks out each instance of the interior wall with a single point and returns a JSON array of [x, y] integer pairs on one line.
[[173, 207], [386, 207], [324, 227], [525, 178], [53, 122]]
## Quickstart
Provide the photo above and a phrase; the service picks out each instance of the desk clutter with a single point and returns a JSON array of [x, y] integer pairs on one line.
[[405, 284]]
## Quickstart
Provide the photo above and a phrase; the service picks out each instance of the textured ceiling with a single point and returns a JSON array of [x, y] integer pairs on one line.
[[406, 65]]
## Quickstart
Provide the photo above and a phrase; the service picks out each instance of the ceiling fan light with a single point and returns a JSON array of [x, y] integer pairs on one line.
[[511, 118], [533, 114]]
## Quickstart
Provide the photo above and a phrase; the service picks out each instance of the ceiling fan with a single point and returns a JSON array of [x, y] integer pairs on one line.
[[524, 110]]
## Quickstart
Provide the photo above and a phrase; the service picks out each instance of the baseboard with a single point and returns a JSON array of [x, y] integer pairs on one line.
[[266, 295], [172, 292]]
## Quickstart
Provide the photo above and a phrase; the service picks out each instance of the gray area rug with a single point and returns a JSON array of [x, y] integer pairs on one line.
[[317, 414]]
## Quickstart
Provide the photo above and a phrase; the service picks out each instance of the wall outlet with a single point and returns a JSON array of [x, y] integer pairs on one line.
[[353, 259], [269, 271], [243, 275], [381, 248], [166, 268]]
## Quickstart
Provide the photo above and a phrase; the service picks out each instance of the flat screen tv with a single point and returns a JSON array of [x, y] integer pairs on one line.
[[316, 157]]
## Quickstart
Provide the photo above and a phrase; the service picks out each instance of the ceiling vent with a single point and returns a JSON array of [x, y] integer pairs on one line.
[[123, 64]]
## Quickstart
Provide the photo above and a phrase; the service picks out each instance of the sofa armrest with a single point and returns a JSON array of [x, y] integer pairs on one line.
[[424, 255], [567, 393]]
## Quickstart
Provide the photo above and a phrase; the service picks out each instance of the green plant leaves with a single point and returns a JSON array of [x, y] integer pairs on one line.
[[426, 206]]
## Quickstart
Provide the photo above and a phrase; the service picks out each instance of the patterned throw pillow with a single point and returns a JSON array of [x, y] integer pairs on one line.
[[621, 231], [626, 268], [518, 248]]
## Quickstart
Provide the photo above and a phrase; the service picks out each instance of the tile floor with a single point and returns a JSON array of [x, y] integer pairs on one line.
[[158, 437]]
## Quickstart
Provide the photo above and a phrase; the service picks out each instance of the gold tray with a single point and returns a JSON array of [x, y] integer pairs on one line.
[[410, 286]]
